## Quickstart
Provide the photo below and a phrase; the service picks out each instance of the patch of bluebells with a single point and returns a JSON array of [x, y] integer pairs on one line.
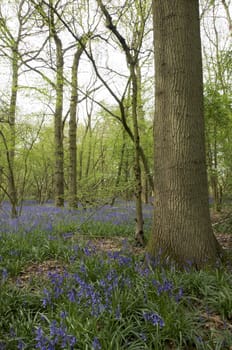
[[93, 289], [39, 218], [78, 290], [47, 218], [96, 291], [121, 258], [167, 287], [58, 337]]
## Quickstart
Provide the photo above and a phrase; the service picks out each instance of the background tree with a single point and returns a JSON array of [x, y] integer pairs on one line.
[[218, 138], [218, 79], [132, 57], [13, 47]]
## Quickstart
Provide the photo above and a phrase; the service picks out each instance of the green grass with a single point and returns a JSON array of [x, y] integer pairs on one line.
[[100, 300]]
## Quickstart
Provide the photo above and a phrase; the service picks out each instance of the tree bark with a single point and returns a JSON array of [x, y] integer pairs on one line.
[[12, 121], [73, 132], [58, 122], [182, 229], [139, 234]]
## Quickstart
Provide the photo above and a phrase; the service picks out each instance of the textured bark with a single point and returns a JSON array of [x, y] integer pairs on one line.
[[85, 149], [139, 235], [212, 162], [73, 132], [12, 123], [58, 123], [145, 173], [120, 167], [182, 229]]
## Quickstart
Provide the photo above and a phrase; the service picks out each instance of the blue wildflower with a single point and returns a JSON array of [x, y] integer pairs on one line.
[[21, 345], [153, 318], [167, 286], [4, 274], [118, 313], [96, 344], [72, 295], [143, 337], [63, 314], [47, 297], [179, 295]]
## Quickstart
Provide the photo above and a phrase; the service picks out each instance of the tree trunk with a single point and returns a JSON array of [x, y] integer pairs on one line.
[[139, 234], [182, 229], [12, 116], [119, 172], [73, 133], [142, 128], [132, 60], [89, 141], [58, 122]]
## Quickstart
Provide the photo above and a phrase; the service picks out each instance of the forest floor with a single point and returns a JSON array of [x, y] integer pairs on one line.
[[116, 244], [44, 271]]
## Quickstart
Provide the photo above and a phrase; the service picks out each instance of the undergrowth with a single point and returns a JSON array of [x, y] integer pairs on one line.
[[79, 297]]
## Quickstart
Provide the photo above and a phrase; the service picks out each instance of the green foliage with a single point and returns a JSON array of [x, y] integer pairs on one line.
[[218, 116]]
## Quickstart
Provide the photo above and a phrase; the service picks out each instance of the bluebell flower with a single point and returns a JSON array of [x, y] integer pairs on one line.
[[41, 340], [49, 226], [3, 346], [167, 286], [4, 274], [199, 339], [179, 295], [87, 251], [46, 298], [21, 345], [118, 312], [72, 295], [12, 332], [153, 318], [63, 314], [72, 340], [51, 238], [96, 344], [67, 235], [143, 337], [83, 268]]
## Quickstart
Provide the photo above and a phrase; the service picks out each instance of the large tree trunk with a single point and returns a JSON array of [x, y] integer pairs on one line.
[[182, 229]]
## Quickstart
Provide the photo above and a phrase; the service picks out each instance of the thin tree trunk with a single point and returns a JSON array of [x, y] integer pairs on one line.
[[73, 132], [89, 139], [119, 173], [182, 229], [58, 122], [12, 121], [139, 234], [142, 125]]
